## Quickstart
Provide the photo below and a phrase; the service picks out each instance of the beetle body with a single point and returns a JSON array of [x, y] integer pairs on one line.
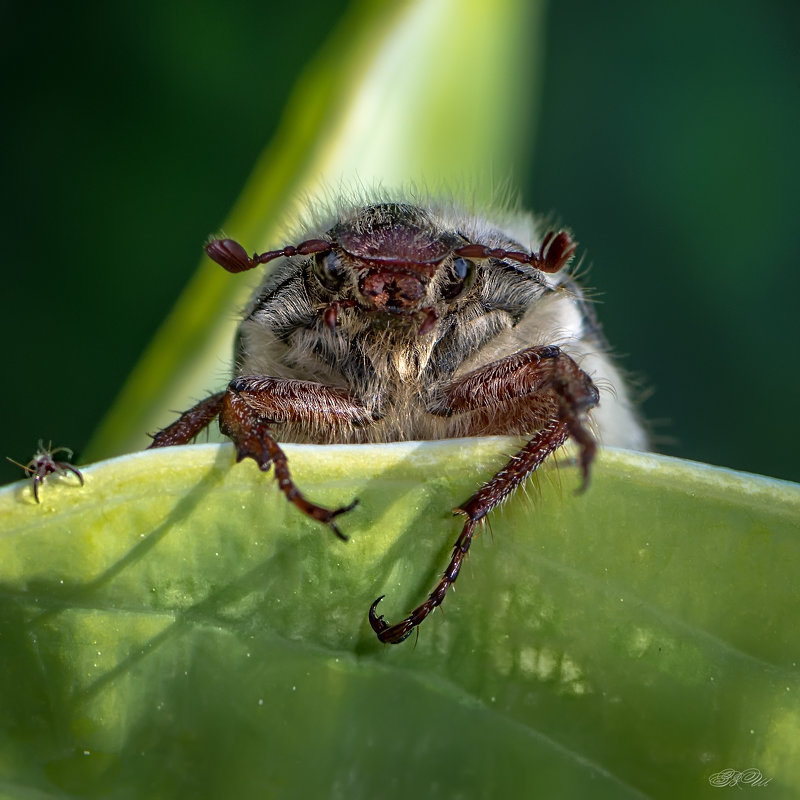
[[393, 321]]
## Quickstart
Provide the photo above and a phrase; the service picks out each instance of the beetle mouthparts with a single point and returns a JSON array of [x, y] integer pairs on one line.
[[395, 290]]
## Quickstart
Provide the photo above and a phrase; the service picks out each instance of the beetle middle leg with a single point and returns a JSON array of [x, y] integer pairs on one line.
[[540, 388]]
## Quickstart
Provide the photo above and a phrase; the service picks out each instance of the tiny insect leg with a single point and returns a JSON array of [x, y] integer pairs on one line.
[[58, 468], [251, 404], [537, 380]]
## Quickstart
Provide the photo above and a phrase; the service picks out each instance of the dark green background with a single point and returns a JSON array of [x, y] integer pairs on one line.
[[668, 142]]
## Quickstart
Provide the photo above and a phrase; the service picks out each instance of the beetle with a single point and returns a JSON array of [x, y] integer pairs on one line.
[[395, 320]]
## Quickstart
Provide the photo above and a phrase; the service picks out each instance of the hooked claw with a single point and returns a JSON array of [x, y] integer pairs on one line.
[[388, 634]]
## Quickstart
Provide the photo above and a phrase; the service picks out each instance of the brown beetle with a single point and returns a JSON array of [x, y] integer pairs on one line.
[[393, 321]]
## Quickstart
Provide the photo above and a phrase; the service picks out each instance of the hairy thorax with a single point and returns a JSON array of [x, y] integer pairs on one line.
[[400, 379]]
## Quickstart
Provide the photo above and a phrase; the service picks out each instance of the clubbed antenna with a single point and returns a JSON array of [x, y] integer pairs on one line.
[[556, 251], [233, 257]]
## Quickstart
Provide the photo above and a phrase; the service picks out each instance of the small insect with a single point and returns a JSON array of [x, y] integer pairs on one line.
[[43, 464], [394, 321]]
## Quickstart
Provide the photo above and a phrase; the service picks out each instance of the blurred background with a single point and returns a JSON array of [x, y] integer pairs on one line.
[[668, 143]]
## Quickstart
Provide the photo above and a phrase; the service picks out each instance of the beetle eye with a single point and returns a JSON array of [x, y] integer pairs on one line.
[[328, 270], [462, 273]]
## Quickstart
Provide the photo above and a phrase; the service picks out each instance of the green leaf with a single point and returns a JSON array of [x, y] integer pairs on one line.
[[175, 628], [426, 93]]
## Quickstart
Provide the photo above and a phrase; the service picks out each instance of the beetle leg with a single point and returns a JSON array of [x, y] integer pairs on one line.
[[190, 423], [535, 381], [251, 404]]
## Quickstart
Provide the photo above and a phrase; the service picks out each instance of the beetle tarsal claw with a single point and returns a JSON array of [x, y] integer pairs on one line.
[[389, 634], [377, 623]]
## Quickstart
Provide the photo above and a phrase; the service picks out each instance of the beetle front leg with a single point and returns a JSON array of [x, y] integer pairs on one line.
[[190, 423], [539, 383], [475, 509], [251, 404]]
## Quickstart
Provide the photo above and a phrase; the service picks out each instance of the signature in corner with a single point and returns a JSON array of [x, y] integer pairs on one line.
[[734, 777]]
